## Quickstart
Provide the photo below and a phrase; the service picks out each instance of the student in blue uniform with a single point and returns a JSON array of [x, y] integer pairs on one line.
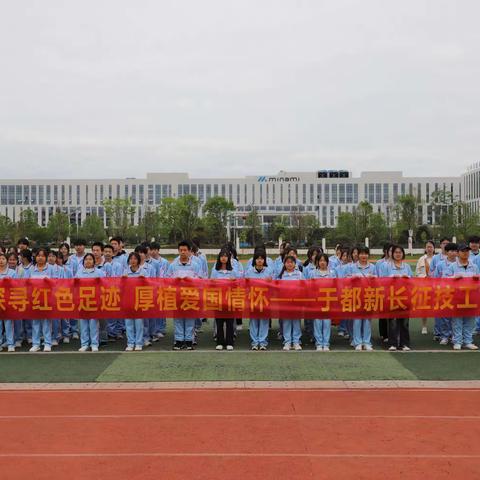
[[292, 329], [223, 270], [41, 327], [362, 328], [398, 333], [77, 258], [134, 326], [341, 264], [440, 256], [89, 328], [184, 267], [57, 273], [6, 326], [380, 272], [474, 244], [463, 327], [119, 254], [322, 327], [443, 325]]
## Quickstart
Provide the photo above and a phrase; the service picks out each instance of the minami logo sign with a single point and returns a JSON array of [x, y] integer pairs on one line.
[[264, 179]]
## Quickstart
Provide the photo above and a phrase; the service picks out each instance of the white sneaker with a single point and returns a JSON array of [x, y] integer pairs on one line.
[[138, 348], [18, 344], [358, 348], [35, 348], [406, 349], [94, 349], [229, 348], [341, 333], [392, 349], [319, 348], [75, 336], [4, 345], [297, 347], [368, 348], [129, 349], [470, 346], [66, 339], [239, 328], [83, 349], [444, 341], [47, 348], [219, 347], [160, 335], [11, 348], [286, 347], [148, 343], [326, 349], [424, 331], [54, 343], [457, 346]]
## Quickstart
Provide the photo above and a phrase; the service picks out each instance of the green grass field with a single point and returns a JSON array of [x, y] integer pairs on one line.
[[160, 363]]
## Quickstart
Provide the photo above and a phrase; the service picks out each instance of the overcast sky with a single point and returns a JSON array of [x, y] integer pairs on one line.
[[117, 88]]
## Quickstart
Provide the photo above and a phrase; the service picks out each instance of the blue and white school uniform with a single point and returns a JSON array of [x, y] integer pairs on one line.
[[162, 269], [333, 262], [7, 329], [322, 327], [150, 324], [345, 327], [134, 326], [258, 327], [184, 327], [475, 258], [42, 327], [57, 332], [115, 326], [442, 325], [362, 328], [462, 327], [122, 260], [23, 328], [292, 329], [89, 328]]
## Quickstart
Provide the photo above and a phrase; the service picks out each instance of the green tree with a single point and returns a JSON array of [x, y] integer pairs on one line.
[[377, 231], [58, 227], [279, 228], [149, 225], [217, 211], [187, 219], [168, 214], [253, 228], [119, 212], [407, 215], [7, 230], [27, 225], [92, 229]]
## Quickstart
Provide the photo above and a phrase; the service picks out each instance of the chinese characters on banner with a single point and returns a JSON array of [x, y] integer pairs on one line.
[[195, 298]]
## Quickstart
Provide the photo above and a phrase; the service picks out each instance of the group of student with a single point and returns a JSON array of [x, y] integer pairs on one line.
[[111, 260]]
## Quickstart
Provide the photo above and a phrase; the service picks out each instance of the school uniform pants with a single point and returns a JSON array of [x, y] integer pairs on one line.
[[383, 327], [398, 334], [259, 331], [292, 331], [89, 333], [225, 331], [184, 329], [103, 330], [7, 334], [462, 330], [362, 332], [39, 328], [134, 329], [321, 331]]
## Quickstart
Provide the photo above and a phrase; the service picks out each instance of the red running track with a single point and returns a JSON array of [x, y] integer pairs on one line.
[[239, 434]]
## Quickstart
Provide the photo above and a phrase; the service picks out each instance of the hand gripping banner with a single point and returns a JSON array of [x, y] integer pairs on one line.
[[194, 298]]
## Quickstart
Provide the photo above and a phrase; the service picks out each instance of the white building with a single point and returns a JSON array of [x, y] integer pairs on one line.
[[324, 193], [471, 186]]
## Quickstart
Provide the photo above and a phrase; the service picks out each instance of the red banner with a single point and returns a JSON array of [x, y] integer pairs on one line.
[[195, 298]]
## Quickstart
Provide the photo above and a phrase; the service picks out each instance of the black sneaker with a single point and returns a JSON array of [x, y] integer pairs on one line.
[[178, 345], [189, 345]]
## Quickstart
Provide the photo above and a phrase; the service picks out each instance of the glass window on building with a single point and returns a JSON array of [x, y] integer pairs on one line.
[[224, 192], [410, 188], [267, 193], [324, 215], [41, 194], [386, 193], [230, 192], [245, 201], [273, 194], [158, 194], [126, 192], [341, 193], [332, 216], [334, 193], [209, 191], [371, 193], [326, 189], [312, 194], [253, 194], [70, 195], [419, 192], [110, 192], [26, 195], [215, 190], [296, 194], [403, 189], [150, 194], [319, 193], [201, 193], [141, 193], [289, 194], [134, 194], [349, 198], [281, 193], [118, 191], [378, 193], [193, 189], [33, 191], [18, 195], [261, 193], [304, 193], [238, 194], [86, 195], [355, 193]]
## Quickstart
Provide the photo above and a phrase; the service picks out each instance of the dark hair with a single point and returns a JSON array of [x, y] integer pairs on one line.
[[221, 253], [98, 244], [288, 257], [54, 253], [310, 253], [27, 254], [398, 247], [4, 255], [12, 254], [291, 249], [79, 241], [134, 255], [319, 257], [363, 249], [474, 239], [185, 243], [286, 246], [259, 254], [355, 247], [64, 244], [154, 246], [107, 245], [43, 250], [444, 238], [86, 256], [344, 250], [432, 242], [117, 239], [141, 249], [450, 247], [232, 249], [24, 241], [196, 241]]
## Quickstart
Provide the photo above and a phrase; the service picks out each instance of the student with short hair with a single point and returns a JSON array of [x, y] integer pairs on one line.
[[7, 330]]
